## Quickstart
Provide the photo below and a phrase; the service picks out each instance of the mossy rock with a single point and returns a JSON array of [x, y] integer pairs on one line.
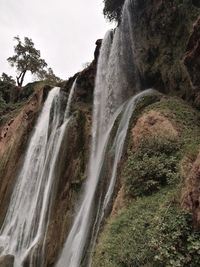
[[152, 230]]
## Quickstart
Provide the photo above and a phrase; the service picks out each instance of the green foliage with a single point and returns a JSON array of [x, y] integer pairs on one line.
[[7, 79], [48, 76], [186, 119], [155, 163], [176, 244], [7, 87], [12, 99], [151, 232], [9, 110], [26, 58], [2, 103], [152, 166], [112, 9]]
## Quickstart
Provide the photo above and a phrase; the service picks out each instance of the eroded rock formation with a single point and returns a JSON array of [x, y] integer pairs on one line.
[[14, 135]]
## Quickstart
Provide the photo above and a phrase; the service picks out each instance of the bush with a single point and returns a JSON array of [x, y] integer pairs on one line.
[[151, 232], [151, 167], [176, 244]]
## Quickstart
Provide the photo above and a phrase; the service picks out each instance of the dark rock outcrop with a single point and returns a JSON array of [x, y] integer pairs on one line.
[[70, 177], [85, 79], [97, 50], [7, 261], [166, 38], [165, 33]]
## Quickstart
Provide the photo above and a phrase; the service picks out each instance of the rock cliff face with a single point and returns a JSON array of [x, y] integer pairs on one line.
[[166, 37], [14, 135], [7, 261], [70, 177]]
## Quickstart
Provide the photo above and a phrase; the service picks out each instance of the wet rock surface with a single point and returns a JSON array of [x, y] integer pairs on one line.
[[14, 135], [166, 43], [7, 261]]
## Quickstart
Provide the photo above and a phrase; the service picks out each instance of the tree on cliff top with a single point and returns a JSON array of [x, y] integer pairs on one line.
[[48, 76], [26, 58]]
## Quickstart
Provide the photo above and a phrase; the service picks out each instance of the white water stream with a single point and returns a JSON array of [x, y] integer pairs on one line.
[[114, 102], [26, 220], [116, 81]]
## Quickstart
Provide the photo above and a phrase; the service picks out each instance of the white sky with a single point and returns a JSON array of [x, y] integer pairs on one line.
[[64, 31]]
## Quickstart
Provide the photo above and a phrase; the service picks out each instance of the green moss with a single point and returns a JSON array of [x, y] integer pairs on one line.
[[156, 161], [2, 103], [185, 119], [151, 232], [9, 110], [179, 111]]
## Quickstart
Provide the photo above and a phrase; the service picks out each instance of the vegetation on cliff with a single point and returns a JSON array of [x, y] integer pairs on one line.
[[152, 228], [28, 58]]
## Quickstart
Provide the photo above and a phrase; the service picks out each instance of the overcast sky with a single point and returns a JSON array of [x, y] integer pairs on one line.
[[64, 31]]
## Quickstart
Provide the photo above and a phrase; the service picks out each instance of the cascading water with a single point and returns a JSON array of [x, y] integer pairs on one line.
[[116, 81], [69, 101], [25, 224]]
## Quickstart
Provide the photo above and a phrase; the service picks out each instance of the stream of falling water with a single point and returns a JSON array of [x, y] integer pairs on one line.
[[116, 82], [26, 221]]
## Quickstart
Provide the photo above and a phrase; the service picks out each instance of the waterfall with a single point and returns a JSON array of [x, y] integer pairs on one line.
[[25, 224], [69, 101], [84, 226], [116, 82]]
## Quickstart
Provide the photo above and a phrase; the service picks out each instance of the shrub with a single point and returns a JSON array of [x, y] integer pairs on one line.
[[176, 244], [152, 166], [151, 232]]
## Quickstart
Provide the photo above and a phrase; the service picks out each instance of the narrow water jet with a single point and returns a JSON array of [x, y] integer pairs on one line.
[[69, 101]]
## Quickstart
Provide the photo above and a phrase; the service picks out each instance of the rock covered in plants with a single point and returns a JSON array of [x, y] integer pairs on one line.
[[149, 225]]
